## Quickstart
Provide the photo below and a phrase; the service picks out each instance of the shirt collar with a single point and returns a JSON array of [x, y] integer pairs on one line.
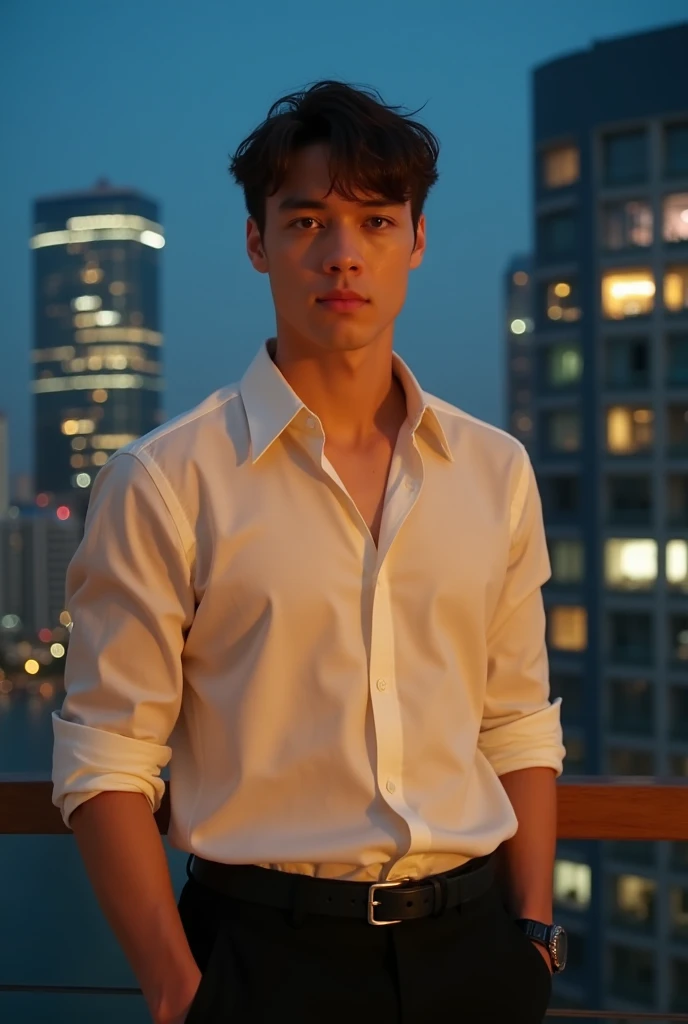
[[271, 404]]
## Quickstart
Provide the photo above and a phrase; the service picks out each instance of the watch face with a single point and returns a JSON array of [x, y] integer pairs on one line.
[[559, 947]]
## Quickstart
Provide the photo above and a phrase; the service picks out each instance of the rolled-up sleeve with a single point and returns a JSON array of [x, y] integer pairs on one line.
[[130, 597], [521, 728]]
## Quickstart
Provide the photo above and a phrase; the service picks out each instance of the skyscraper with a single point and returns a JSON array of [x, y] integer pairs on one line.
[[610, 306], [97, 354]]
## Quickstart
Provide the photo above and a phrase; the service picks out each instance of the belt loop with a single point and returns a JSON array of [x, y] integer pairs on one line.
[[439, 886]]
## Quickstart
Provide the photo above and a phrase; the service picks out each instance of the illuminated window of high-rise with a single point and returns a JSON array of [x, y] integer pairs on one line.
[[677, 564], [91, 274], [99, 395], [627, 225], [560, 301], [567, 558], [633, 900], [630, 564], [675, 211], [627, 293], [562, 431], [568, 628], [630, 430], [564, 364], [99, 458], [572, 884], [560, 166], [676, 289]]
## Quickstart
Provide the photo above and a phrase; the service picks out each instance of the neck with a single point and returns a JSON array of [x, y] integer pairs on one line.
[[354, 394]]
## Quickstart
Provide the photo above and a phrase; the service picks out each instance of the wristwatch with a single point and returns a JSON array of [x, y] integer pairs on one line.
[[551, 936]]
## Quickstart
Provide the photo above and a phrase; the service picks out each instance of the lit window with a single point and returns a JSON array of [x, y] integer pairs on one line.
[[117, 288], [567, 559], [627, 293], [112, 441], [676, 289], [630, 564], [562, 432], [77, 461], [677, 563], [560, 166], [99, 458], [676, 217], [70, 427], [572, 884], [635, 899], [568, 628], [94, 363], [629, 430], [85, 303], [91, 274], [627, 225], [561, 301], [564, 365], [625, 158], [99, 395]]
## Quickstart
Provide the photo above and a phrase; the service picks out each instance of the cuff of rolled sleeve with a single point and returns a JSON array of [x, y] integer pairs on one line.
[[88, 761], [533, 741]]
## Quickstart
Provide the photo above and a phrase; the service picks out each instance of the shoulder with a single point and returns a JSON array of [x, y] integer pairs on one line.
[[465, 432]]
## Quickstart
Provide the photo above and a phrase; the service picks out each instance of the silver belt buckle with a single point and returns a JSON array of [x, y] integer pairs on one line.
[[372, 902]]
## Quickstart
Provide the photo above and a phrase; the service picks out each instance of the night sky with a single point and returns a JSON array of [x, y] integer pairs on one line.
[[155, 94]]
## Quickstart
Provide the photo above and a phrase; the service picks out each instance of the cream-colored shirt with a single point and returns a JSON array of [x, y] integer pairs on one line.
[[326, 706]]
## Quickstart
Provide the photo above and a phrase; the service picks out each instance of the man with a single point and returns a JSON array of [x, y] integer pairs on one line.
[[318, 593]]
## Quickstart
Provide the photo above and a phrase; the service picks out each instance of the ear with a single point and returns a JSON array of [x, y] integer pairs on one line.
[[255, 247], [419, 247]]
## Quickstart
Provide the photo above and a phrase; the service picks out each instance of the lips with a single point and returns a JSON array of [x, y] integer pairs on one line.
[[342, 301]]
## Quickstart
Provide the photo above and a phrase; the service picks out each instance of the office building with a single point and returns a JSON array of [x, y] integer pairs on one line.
[[97, 354], [519, 349], [36, 547], [610, 448]]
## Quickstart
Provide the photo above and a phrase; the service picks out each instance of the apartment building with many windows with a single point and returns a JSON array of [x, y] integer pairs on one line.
[[609, 283]]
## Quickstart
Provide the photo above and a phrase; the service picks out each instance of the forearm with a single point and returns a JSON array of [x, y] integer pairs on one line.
[[526, 861], [120, 844]]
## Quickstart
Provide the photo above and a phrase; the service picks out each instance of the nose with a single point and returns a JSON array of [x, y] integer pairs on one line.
[[343, 254]]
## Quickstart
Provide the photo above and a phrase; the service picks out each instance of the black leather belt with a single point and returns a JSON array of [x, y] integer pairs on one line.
[[379, 903]]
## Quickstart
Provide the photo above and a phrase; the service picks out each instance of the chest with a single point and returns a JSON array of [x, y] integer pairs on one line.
[[364, 476]]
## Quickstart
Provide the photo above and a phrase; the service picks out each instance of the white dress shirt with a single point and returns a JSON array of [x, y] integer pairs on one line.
[[327, 706]]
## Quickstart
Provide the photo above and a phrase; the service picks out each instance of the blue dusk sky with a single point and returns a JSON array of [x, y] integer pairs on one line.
[[156, 94]]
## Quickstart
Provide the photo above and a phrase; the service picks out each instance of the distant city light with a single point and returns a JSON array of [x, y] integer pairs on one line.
[[520, 278], [562, 290], [10, 621], [83, 479], [85, 303], [100, 395], [31, 666], [44, 635], [518, 326], [42, 500], [65, 618], [12, 512], [57, 651], [46, 690], [624, 289], [63, 512]]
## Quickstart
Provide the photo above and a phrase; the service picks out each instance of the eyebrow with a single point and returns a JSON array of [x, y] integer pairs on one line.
[[302, 203]]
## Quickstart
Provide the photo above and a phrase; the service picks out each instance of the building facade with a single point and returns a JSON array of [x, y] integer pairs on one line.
[[97, 354], [610, 449], [519, 349], [4, 466]]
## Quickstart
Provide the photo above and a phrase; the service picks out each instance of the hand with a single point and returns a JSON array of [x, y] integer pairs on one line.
[[181, 1006], [545, 955]]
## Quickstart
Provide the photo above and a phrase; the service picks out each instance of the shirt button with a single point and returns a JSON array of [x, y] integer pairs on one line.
[[382, 684], [390, 786]]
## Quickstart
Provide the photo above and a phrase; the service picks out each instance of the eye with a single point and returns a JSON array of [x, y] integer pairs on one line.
[[379, 222], [303, 223]]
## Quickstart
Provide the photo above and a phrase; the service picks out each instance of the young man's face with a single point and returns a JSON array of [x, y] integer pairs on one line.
[[315, 244]]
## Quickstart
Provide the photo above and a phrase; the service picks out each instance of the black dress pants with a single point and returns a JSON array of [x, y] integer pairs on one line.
[[472, 965]]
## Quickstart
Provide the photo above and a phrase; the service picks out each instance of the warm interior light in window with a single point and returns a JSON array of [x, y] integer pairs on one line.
[[572, 883], [84, 303], [65, 618], [70, 427], [554, 312], [562, 290], [629, 563], [99, 458], [568, 628], [627, 293], [677, 562], [99, 395], [643, 415], [94, 363]]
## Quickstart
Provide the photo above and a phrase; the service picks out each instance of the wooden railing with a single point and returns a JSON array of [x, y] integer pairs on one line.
[[589, 807]]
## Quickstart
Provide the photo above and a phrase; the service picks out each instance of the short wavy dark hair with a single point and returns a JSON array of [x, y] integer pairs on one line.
[[374, 148]]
